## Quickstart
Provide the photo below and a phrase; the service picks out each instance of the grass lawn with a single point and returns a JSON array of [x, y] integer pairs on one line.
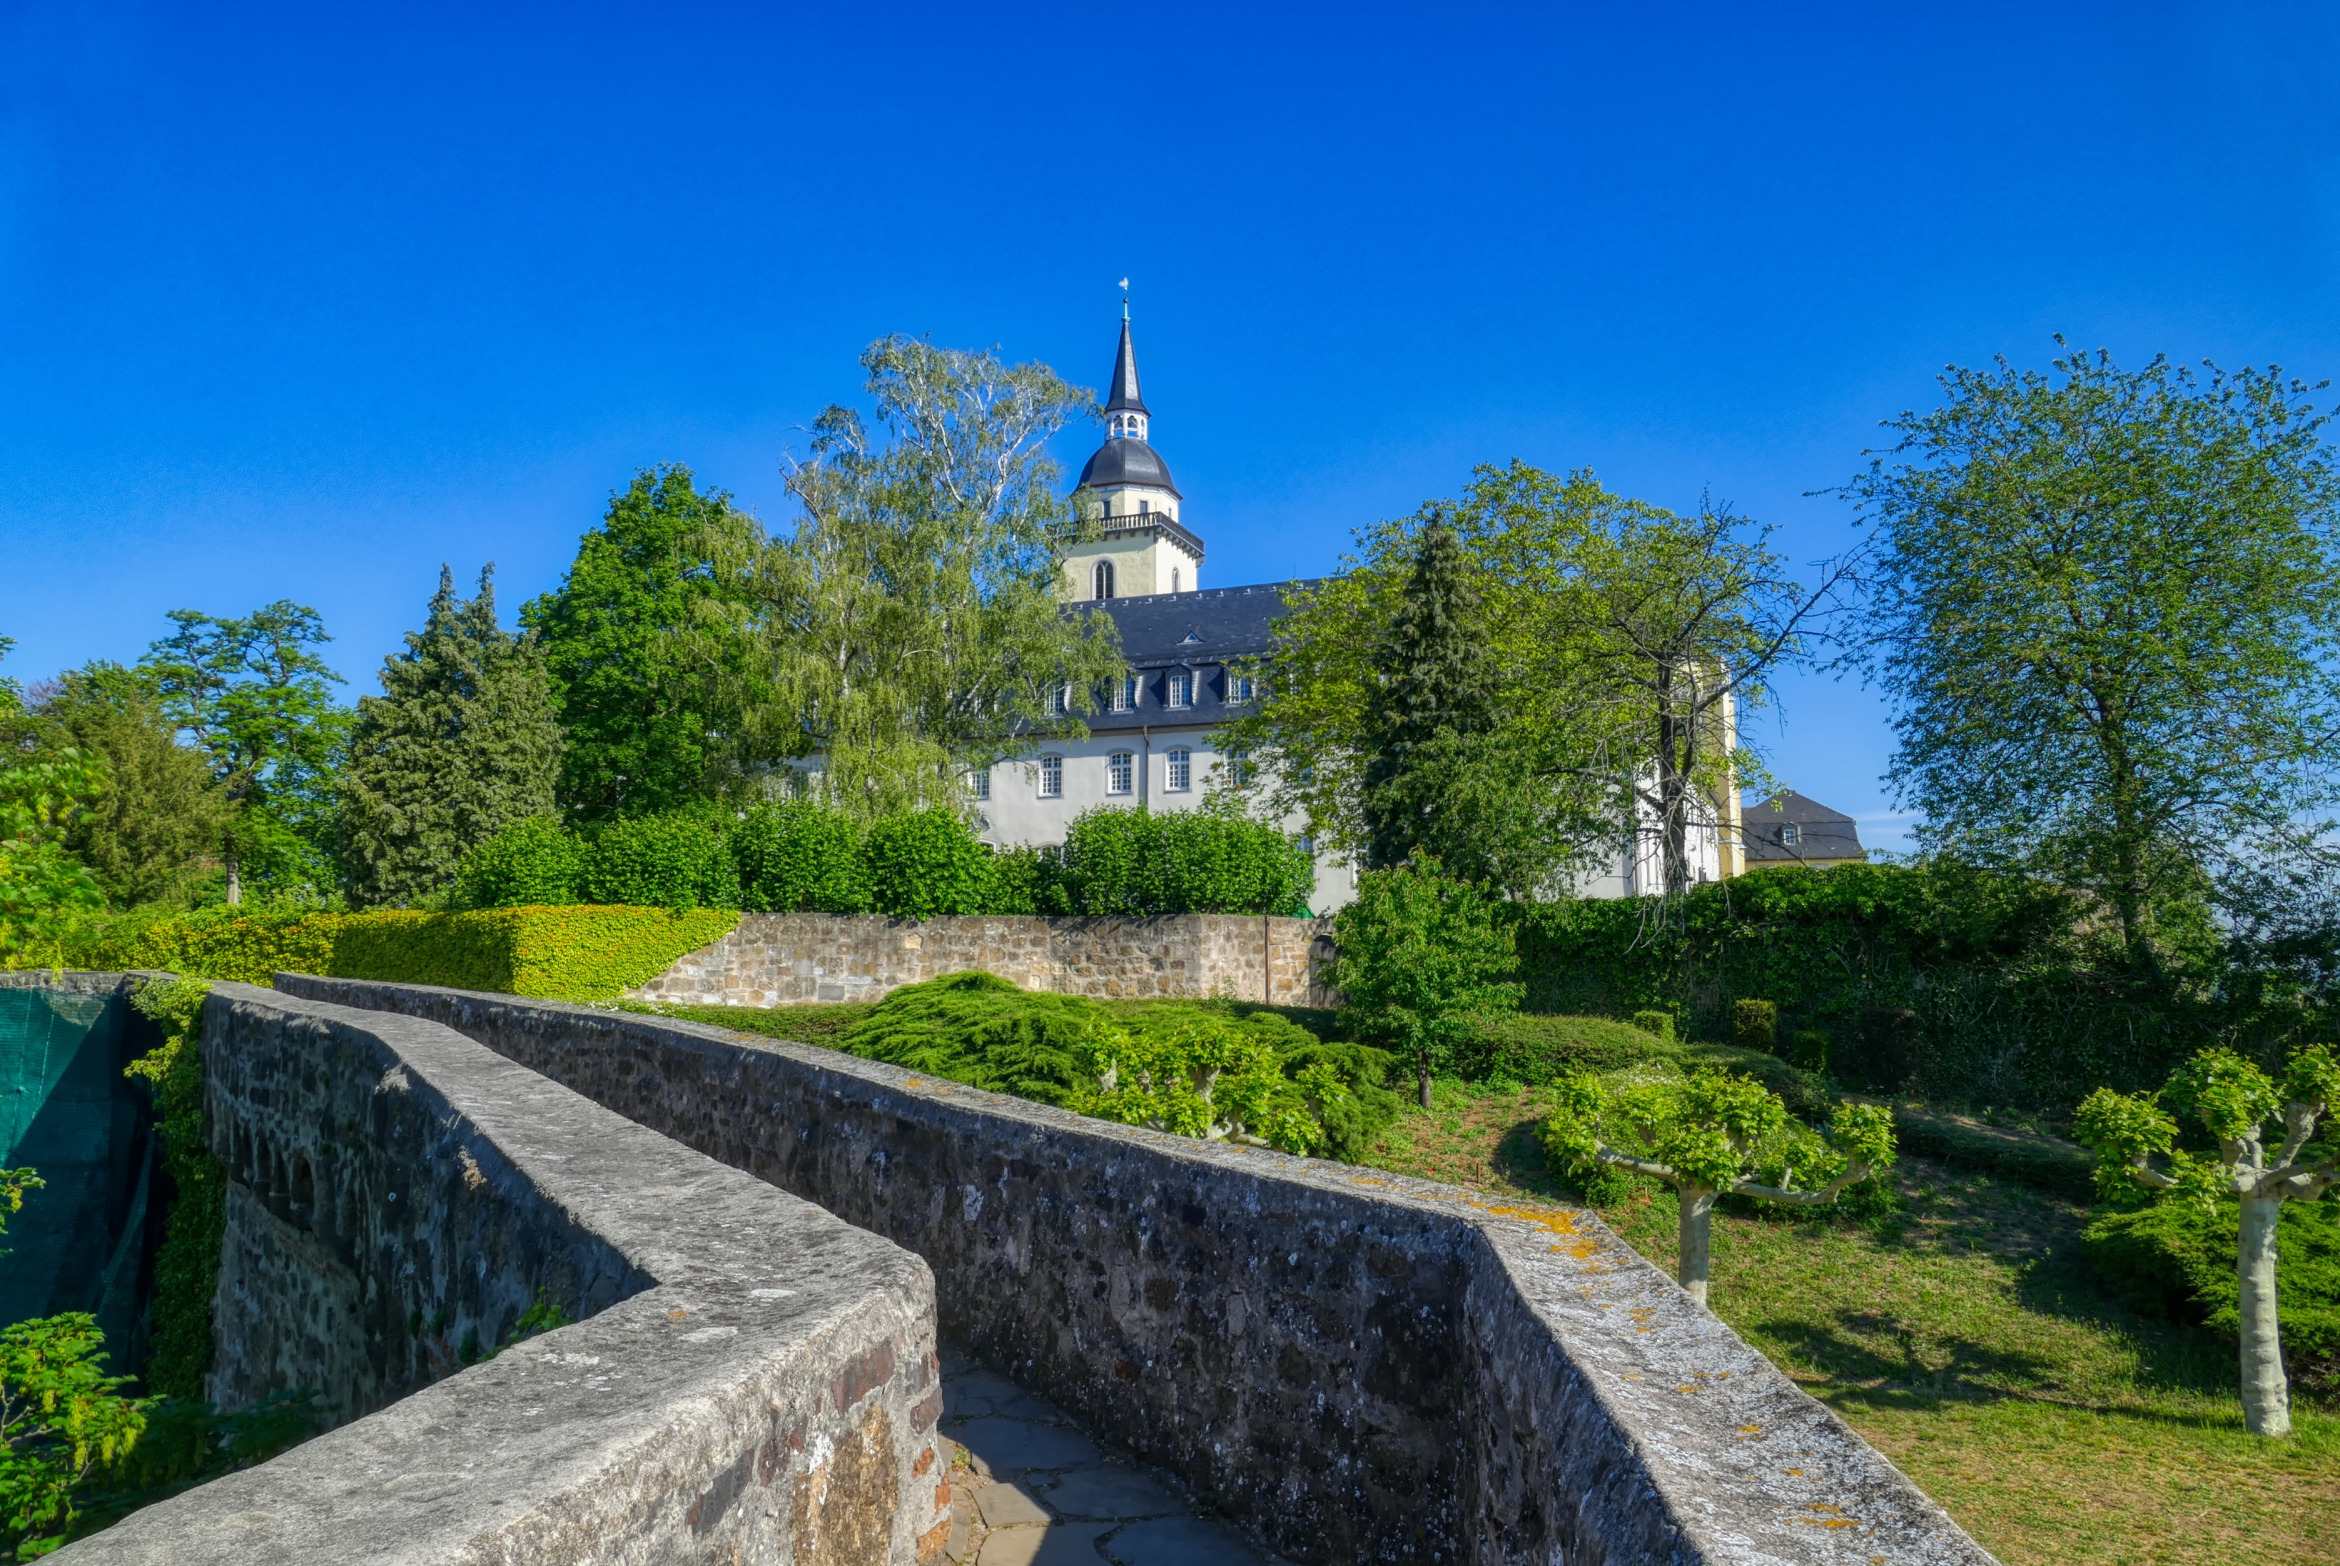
[[1968, 1341]]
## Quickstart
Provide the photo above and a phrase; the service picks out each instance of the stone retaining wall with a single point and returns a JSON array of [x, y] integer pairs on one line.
[[749, 1378], [786, 959], [1352, 1365]]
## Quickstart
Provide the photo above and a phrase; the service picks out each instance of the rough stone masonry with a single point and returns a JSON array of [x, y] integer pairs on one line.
[[749, 1378], [1352, 1365]]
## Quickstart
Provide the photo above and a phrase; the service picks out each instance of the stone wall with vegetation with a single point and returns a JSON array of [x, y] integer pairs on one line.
[[1354, 1366], [788, 959], [746, 1376]]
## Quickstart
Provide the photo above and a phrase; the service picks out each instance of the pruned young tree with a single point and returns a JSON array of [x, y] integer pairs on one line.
[[909, 628], [1712, 1132], [255, 698], [2105, 613], [2235, 1102], [1422, 964], [461, 744], [1679, 626]]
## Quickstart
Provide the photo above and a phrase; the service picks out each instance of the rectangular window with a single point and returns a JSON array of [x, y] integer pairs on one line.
[[1238, 765], [1181, 688], [1118, 772], [1125, 694], [1239, 687], [1052, 777], [979, 782], [1060, 701], [1181, 771]]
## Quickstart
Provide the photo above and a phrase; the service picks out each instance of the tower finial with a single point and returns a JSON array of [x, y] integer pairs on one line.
[[1125, 299]]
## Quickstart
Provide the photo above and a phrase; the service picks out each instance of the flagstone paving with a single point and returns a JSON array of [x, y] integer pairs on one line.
[[1029, 1489]]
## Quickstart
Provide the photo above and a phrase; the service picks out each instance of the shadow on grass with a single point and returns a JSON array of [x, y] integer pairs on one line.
[[1878, 1352]]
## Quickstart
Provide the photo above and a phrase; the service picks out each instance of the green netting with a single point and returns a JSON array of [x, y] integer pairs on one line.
[[68, 1112]]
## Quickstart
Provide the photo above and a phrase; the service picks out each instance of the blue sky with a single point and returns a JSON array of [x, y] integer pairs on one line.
[[302, 301]]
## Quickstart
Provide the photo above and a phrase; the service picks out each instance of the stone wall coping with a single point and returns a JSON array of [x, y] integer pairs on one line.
[[1717, 1453], [584, 1442]]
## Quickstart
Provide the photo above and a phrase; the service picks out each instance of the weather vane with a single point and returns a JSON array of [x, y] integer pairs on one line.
[[1125, 299]]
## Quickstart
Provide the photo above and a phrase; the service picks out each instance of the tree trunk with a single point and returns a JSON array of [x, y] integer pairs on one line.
[[2266, 1397], [1697, 1239], [1425, 1085], [235, 877]]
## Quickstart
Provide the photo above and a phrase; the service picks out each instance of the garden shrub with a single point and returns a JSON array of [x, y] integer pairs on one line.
[[926, 864], [670, 861], [531, 863], [1808, 1050], [2175, 1259], [1660, 1023], [798, 856], [979, 1029], [1538, 1050], [1755, 1025], [1025, 880], [1134, 863]]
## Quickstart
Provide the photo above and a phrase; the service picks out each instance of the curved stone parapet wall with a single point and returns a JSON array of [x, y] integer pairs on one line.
[[749, 1378], [1355, 1366]]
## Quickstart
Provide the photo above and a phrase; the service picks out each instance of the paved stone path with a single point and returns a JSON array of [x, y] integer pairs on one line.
[[1029, 1489]]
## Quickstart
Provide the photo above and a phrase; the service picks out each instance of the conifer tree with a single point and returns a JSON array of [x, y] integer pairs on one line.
[[461, 744], [1436, 703]]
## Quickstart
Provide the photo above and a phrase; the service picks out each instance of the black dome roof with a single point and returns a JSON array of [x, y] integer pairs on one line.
[[1127, 460]]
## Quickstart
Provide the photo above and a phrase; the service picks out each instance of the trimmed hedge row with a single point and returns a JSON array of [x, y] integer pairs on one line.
[[798, 856], [573, 953]]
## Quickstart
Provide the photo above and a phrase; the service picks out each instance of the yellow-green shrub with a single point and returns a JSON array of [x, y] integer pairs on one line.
[[571, 953]]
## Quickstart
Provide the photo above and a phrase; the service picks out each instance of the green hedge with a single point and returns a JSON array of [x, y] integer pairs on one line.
[[2176, 1259], [573, 953], [799, 856], [1942, 980]]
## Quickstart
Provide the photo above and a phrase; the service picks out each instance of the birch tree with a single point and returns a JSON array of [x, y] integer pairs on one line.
[[2235, 1102], [1709, 1133], [908, 628]]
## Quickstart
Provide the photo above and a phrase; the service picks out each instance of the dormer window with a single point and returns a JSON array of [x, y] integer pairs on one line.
[[1181, 687], [1790, 835], [1125, 693], [1060, 701]]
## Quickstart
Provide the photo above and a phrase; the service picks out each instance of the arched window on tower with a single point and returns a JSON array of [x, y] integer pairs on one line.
[[1104, 579], [1174, 587]]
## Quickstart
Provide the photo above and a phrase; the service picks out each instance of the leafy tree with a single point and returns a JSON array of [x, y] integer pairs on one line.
[[1423, 965], [1620, 643], [908, 629], [639, 710], [151, 834], [2233, 1100], [13, 1184], [258, 702], [1713, 1132], [1434, 702], [60, 1416], [677, 861], [460, 744], [2105, 617], [44, 891]]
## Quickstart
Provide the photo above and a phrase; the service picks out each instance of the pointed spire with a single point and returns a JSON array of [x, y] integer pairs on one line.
[[1125, 381]]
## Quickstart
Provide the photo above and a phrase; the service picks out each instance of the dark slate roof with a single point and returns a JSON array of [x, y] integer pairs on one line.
[[1127, 460], [1125, 385], [1202, 631], [1821, 833]]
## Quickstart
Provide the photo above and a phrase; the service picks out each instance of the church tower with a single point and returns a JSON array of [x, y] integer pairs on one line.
[[1126, 488]]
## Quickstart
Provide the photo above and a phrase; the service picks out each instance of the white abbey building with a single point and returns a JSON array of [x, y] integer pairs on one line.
[[1154, 743]]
